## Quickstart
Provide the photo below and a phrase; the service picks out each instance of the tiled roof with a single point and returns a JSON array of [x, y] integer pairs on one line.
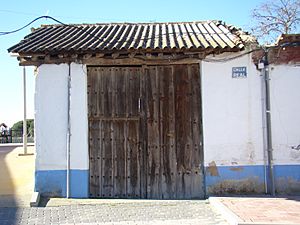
[[84, 38]]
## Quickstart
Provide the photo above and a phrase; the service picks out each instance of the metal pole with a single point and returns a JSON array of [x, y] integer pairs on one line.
[[69, 133], [269, 128], [24, 105], [264, 127]]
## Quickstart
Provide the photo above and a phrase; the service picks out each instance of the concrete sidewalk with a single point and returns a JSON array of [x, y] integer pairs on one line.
[[16, 175], [258, 210]]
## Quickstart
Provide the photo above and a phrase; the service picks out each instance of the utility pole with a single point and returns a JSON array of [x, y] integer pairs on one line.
[[24, 121], [25, 116]]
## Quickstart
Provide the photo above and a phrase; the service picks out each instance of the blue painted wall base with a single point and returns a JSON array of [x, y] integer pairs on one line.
[[222, 180], [53, 183]]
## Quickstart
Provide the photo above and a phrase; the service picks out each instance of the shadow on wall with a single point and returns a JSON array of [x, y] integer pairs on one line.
[[7, 188]]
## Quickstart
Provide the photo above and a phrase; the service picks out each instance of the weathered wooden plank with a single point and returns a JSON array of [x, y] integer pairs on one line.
[[133, 165], [182, 109], [102, 89], [107, 92], [92, 79], [101, 150], [93, 135], [167, 132], [135, 90], [96, 61], [107, 172], [133, 176], [188, 177], [89, 89], [136, 61], [93, 160], [127, 75], [120, 99], [114, 118], [107, 168], [197, 155], [154, 176], [97, 92], [99, 153], [143, 135], [119, 160], [120, 184]]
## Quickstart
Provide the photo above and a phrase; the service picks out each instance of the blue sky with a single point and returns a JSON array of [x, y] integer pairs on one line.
[[14, 15]]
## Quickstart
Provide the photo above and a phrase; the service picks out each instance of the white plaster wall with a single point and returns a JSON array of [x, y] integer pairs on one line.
[[79, 118], [232, 116], [285, 112], [51, 116]]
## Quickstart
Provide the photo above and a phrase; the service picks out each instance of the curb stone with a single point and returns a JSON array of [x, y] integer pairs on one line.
[[228, 215]]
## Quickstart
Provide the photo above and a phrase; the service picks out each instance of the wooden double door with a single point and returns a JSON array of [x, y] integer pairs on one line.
[[145, 132]]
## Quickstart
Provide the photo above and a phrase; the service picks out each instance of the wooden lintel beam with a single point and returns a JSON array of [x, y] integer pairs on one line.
[[99, 55], [74, 56], [131, 55], [115, 55], [201, 55], [87, 56], [34, 58], [47, 58], [138, 60]]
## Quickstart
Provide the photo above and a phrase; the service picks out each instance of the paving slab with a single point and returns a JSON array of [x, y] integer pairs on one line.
[[118, 212], [259, 210]]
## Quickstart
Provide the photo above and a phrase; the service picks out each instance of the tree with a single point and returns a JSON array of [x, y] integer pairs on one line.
[[18, 126], [274, 18]]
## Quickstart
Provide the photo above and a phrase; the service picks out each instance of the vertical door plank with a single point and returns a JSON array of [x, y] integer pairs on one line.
[[133, 162], [90, 89], [100, 151], [93, 160], [167, 132], [94, 142], [143, 134], [107, 173], [119, 160], [119, 180], [99, 154], [135, 90], [107, 181], [153, 181], [197, 158], [183, 128], [107, 104], [120, 96]]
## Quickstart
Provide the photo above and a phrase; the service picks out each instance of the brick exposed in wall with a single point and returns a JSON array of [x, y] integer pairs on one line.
[[286, 51], [279, 55], [284, 55]]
